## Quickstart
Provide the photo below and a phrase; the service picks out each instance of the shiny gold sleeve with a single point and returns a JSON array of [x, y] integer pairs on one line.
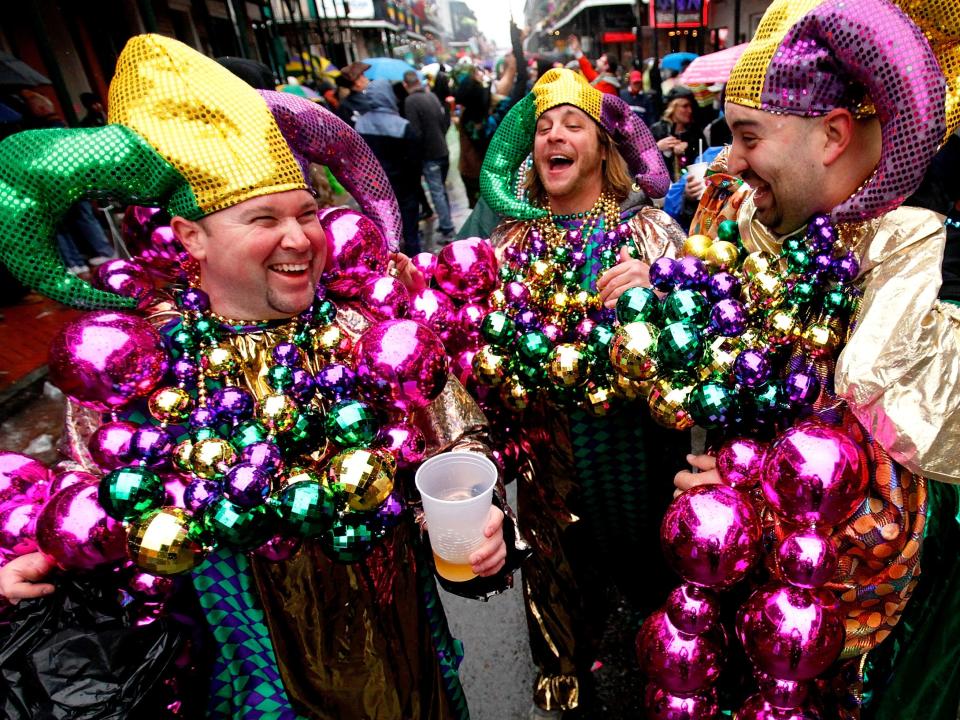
[[900, 370], [656, 234]]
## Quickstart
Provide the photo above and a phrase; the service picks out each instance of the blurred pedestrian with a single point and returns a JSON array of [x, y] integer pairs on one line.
[[473, 97], [634, 96], [425, 114], [395, 143], [604, 77], [678, 136], [96, 116], [353, 82]]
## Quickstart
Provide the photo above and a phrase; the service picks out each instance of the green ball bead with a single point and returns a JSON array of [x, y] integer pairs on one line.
[[306, 508], [608, 258], [802, 292], [351, 424], [498, 329], [769, 403], [798, 261], [679, 347], [711, 405], [247, 433], [728, 231], [570, 279], [326, 313], [183, 340], [351, 537], [230, 525], [599, 339], [280, 377], [836, 301], [308, 427], [127, 493], [638, 304], [206, 328], [632, 250], [533, 348], [532, 375], [792, 244], [687, 306], [561, 254], [302, 338], [203, 433], [505, 273]]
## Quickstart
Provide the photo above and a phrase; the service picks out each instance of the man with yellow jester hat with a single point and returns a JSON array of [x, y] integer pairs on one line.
[[836, 108], [574, 254], [294, 424]]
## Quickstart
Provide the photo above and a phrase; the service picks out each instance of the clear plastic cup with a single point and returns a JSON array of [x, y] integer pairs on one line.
[[697, 170], [456, 489]]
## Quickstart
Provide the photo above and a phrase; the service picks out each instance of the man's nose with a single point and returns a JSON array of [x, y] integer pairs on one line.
[[294, 238], [736, 164]]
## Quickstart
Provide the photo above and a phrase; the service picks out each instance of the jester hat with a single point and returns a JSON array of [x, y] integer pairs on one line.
[[513, 141], [183, 133], [902, 64]]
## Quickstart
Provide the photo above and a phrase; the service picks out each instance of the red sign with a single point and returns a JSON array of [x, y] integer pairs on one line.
[[618, 36]]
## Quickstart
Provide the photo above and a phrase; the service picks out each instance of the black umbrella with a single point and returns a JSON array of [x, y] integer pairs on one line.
[[15, 72]]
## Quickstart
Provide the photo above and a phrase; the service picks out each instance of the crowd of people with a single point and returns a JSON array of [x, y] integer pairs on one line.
[[768, 361]]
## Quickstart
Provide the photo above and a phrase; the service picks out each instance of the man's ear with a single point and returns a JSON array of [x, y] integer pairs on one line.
[[191, 235], [838, 129]]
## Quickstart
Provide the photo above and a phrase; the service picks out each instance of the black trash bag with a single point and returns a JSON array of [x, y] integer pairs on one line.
[[79, 654]]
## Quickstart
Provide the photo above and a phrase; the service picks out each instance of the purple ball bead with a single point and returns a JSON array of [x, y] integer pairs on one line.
[[822, 263], [752, 369], [302, 385], [663, 274], [527, 320], [390, 511], [801, 387], [233, 404], [517, 294], [574, 238], [278, 548], [152, 444], [691, 273], [335, 380], [247, 485], [319, 294], [200, 493], [286, 353], [537, 247], [203, 417], [185, 370], [845, 268], [578, 258], [195, 300], [722, 285], [728, 317], [264, 455]]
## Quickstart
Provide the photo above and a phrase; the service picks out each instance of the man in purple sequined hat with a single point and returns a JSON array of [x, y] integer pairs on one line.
[[837, 108]]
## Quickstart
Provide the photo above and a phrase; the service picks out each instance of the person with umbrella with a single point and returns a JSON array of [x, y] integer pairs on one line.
[[353, 82]]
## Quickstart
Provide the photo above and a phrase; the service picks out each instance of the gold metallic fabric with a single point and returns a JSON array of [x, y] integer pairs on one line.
[[209, 124], [566, 88]]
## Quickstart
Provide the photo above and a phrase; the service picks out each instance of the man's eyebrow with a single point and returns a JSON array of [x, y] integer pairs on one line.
[[744, 123]]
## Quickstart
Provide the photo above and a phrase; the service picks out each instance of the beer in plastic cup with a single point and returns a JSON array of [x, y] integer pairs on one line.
[[456, 489]]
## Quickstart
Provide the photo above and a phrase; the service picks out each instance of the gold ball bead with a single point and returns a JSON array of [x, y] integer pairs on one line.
[[697, 246], [627, 388], [333, 341], [219, 361], [722, 255], [758, 262], [559, 302], [765, 289], [278, 412], [488, 366], [782, 328], [170, 404], [212, 457], [719, 358], [159, 542], [181, 454], [819, 339], [497, 299], [514, 394], [568, 365], [666, 404], [632, 350], [599, 399], [363, 476]]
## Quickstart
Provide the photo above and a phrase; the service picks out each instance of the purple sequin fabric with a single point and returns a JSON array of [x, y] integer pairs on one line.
[[844, 52], [636, 144], [317, 135]]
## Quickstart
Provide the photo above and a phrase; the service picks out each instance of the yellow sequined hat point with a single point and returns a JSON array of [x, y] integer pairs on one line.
[[560, 86], [216, 130]]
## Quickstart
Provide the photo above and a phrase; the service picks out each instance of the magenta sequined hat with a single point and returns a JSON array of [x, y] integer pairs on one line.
[[513, 141], [809, 57]]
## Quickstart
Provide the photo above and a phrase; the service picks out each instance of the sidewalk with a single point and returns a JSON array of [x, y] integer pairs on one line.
[[26, 330]]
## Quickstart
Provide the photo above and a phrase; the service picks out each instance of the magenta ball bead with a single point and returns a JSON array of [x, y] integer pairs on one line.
[[756, 708], [426, 263], [74, 531], [384, 298], [740, 463], [405, 442], [807, 559], [815, 474], [279, 547], [174, 488], [402, 365], [22, 475], [469, 319], [711, 535], [18, 527], [123, 277], [110, 444], [105, 359], [692, 609], [150, 587], [675, 661], [467, 269], [356, 250], [435, 310], [782, 694], [788, 634], [71, 477], [663, 705]]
